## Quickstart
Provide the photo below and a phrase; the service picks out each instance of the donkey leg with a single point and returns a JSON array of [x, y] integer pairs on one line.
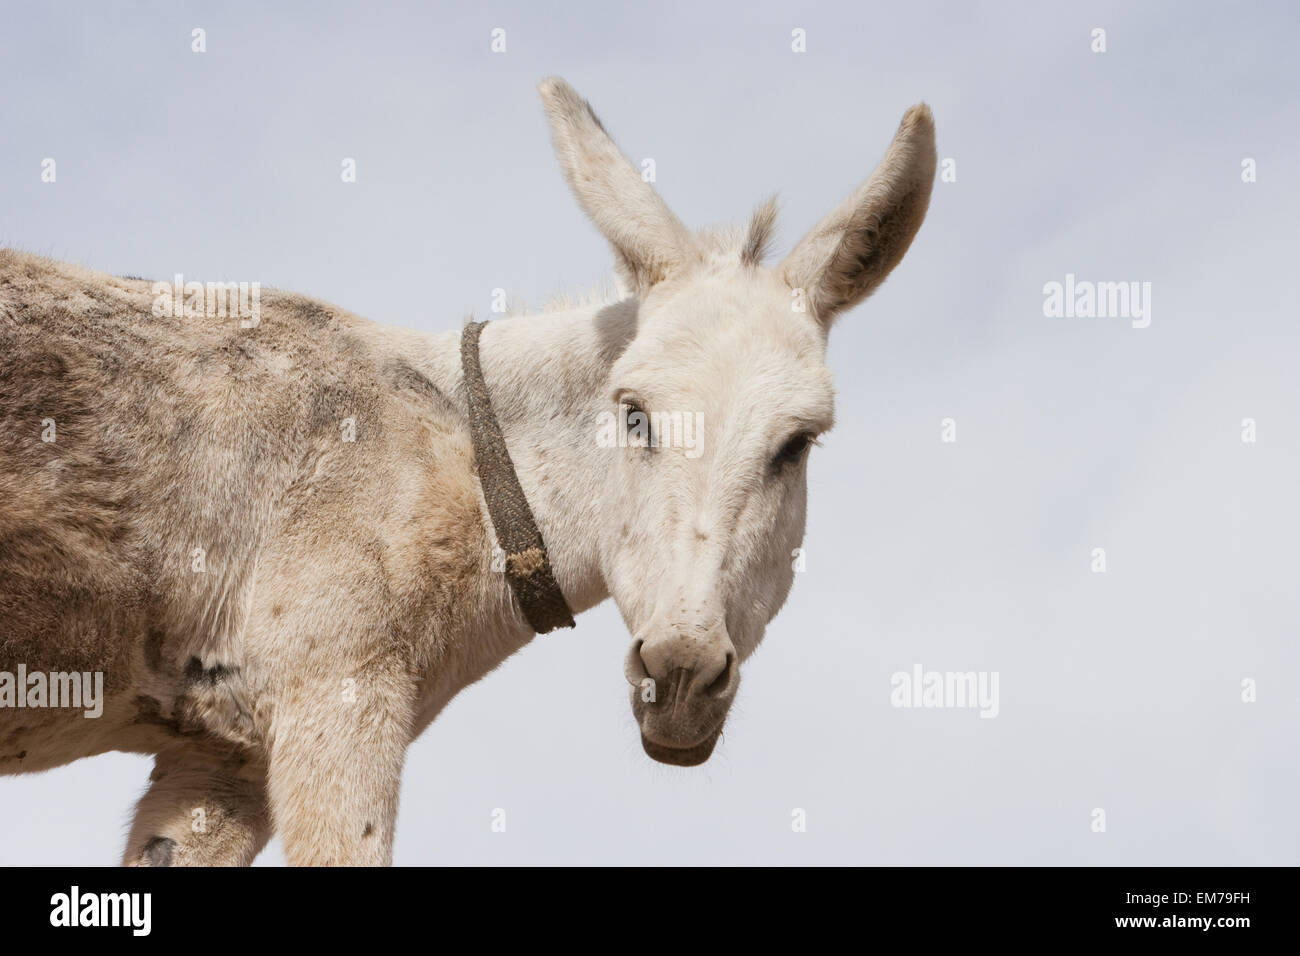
[[336, 770], [201, 809]]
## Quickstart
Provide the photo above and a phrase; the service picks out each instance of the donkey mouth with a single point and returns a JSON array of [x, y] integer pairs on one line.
[[681, 756]]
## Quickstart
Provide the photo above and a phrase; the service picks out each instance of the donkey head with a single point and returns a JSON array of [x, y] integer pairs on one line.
[[722, 390]]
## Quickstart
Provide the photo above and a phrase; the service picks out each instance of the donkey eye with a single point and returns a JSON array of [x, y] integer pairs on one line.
[[637, 423], [793, 449]]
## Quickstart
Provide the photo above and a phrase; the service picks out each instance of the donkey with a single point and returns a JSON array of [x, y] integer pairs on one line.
[[284, 546]]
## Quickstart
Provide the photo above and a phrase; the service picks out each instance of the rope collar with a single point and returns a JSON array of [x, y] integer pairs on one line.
[[528, 567]]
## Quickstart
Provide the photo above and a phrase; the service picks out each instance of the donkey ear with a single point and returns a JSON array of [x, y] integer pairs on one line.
[[850, 252], [649, 241]]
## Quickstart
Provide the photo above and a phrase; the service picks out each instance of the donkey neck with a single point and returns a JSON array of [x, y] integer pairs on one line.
[[546, 375]]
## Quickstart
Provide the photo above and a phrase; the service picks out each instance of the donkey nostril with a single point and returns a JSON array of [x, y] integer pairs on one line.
[[722, 683], [634, 666]]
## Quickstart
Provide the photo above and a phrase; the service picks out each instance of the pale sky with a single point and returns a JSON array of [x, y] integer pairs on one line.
[[1120, 691]]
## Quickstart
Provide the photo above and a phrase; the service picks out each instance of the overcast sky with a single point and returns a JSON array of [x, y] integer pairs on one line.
[[1119, 690]]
